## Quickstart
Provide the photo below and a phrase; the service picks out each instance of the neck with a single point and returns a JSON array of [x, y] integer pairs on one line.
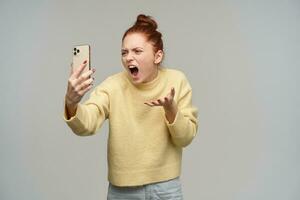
[[152, 77]]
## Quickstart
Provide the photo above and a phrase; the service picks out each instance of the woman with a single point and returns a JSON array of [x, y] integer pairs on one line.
[[150, 112]]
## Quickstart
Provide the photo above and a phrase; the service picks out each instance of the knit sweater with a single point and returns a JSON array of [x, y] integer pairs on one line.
[[143, 147]]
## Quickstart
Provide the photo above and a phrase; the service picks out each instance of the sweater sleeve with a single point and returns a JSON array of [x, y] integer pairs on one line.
[[185, 126], [91, 114]]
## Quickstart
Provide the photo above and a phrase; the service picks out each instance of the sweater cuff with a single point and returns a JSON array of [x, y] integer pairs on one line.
[[176, 125], [175, 119], [181, 131], [74, 122]]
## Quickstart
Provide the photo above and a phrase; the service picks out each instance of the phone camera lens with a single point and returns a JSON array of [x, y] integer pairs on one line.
[[78, 51], [75, 53]]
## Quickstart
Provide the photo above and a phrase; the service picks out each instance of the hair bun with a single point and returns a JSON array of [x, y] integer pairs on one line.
[[143, 20], [147, 26]]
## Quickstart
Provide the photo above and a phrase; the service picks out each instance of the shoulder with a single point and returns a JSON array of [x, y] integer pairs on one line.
[[173, 73], [113, 81], [116, 78], [178, 79]]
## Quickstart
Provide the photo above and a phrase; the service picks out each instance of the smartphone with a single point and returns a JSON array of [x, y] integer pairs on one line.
[[80, 54]]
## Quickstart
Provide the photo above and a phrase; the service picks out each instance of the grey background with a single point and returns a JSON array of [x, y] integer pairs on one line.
[[242, 60]]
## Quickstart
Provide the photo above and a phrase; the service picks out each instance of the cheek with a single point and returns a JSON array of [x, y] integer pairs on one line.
[[123, 61], [148, 69], [147, 61], [146, 66]]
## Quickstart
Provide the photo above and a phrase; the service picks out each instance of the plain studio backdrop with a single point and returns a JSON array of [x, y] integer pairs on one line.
[[241, 58]]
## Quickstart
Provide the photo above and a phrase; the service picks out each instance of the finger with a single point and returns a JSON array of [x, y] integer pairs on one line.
[[151, 103], [173, 92], [78, 71], [86, 75], [88, 82], [148, 104], [82, 92], [166, 100], [156, 103], [161, 102], [84, 84]]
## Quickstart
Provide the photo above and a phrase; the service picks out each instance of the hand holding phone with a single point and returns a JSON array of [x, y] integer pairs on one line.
[[80, 80]]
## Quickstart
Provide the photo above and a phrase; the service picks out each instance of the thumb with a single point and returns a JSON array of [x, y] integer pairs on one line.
[[173, 92]]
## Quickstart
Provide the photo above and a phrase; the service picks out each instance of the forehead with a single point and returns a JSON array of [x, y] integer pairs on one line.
[[134, 40]]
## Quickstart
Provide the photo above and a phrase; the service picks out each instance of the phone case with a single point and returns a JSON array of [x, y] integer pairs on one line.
[[80, 54]]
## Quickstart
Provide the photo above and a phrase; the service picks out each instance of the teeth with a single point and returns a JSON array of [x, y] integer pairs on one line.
[[132, 66]]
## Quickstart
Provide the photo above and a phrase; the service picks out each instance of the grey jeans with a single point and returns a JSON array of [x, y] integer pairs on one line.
[[166, 190]]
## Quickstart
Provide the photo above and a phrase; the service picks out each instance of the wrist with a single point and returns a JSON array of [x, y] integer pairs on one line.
[[171, 113], [171, 109], [70, 109], [69, 102]]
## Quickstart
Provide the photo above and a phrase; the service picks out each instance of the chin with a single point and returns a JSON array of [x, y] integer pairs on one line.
[[138, 81]]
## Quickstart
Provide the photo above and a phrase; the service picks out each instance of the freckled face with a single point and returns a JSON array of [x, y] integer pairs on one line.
[[138, 58]]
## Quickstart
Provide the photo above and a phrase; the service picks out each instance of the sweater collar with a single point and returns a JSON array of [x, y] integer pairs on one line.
[[149, 85]]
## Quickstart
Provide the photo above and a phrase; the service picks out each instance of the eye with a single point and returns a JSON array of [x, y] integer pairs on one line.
[[123, 53], [138, 51]]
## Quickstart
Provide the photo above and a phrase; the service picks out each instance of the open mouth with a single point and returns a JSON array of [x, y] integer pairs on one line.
[[134, 70]]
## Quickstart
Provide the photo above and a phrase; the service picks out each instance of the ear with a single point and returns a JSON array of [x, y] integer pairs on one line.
[[158, 56]]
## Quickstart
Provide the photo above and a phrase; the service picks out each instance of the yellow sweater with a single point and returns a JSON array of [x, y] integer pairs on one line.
[[142, 146]]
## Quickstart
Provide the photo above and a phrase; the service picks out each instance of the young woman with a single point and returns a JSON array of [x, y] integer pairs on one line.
[[150, 112]]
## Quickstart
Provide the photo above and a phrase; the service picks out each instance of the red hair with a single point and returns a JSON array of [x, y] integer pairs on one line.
[[147, 26]]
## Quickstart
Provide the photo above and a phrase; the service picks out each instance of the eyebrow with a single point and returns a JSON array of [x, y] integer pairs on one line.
[[136, 48]]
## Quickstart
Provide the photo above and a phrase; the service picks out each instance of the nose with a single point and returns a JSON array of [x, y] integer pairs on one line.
[[129, 57]]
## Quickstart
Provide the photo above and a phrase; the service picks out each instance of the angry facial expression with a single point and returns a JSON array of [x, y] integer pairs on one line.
[[139, 59]]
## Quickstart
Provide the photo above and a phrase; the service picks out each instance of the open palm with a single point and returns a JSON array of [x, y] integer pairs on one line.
[[166, 102]]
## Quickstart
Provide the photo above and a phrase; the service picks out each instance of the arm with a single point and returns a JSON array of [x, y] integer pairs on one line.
[[184, 127], [168, 104], [181, 119], [89, 116]]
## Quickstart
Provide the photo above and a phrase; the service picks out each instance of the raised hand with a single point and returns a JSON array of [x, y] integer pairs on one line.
[[79, 84], [167, 103]]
